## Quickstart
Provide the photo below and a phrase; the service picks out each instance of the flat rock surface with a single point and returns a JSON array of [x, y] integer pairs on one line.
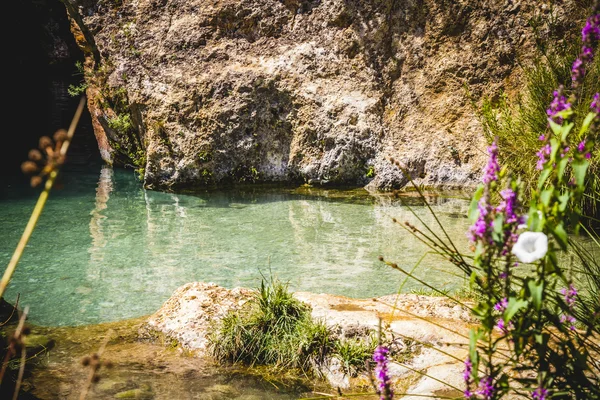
[[433, 323]]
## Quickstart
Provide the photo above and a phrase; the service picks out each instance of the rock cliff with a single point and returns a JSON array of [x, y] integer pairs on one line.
[[197, 92]]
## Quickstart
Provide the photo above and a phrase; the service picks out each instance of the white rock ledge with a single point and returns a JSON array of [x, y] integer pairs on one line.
[[436, 322]]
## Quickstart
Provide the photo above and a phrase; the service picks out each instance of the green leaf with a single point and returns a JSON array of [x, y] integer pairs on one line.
[[586, 123], [473, 209], [564, 201], [498, 233], [561, 168], [514, 305], [561, 235], [536, 291], [579, 170], [565, 114], [534, 220], [555, 147], [472, 280], [543, 176], [556, 128], [546, 195], [474, 337], [480, 310], [566, 130]]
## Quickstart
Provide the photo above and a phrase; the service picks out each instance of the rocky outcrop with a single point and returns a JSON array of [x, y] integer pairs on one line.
[[196, 92], [436, 325]]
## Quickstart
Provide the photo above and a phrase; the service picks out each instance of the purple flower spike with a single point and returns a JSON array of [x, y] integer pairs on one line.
[[381, 372], [539, 394], [591, 30], [570, 294], [587, 54], [486, 387], [479, 230], [558, 104], [509, 200], [542, 154], [595, 106], [501, 305], [492, 168], [577, 72], [468, 370]]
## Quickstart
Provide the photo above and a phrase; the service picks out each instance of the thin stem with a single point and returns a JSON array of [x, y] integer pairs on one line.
[[94, 369], [37, 211], [429, 376], [395, 266], [21, 372]]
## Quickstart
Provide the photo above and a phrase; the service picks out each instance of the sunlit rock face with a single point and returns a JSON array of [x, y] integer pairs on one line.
[[197, 92]]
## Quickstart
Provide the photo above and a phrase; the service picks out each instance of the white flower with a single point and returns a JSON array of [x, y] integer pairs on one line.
[[530, 246]]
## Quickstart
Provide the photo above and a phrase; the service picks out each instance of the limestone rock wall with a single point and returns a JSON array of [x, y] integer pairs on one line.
[[197, 92]]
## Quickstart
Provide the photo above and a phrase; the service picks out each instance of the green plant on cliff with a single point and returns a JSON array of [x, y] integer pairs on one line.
[[121, 123], [79, 89]]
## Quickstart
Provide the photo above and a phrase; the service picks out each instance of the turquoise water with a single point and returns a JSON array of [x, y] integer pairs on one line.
[[105, 249]]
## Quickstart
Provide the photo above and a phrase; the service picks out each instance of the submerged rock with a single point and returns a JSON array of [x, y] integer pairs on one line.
[[195, 93]]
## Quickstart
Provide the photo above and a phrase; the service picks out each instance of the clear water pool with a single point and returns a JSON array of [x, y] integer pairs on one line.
[[105, 249]]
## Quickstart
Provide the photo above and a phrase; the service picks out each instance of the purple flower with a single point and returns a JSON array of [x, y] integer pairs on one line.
[[509, 200], [581, 146], [479, 230], [542, 154], [468, 369], [381, 372], [591, 30], [595, 106], [503, 326], [490, 173], [568, 318], [539, 394], [558, 104], [467, 377], [501, 305], [577, 71], [587, 54], [486, 387], [570, 294]]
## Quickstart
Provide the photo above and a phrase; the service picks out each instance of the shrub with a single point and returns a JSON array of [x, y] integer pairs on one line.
[[539, 330], [273, 329]]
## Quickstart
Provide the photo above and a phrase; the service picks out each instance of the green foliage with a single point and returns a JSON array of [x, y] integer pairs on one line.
[[517, 123], [243, 173], [79, 89], [274, 329], [538, 310], [370, 172], [353, 353], [121, 123]]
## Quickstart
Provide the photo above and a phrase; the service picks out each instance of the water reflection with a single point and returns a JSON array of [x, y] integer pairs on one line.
[[141, 245]]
